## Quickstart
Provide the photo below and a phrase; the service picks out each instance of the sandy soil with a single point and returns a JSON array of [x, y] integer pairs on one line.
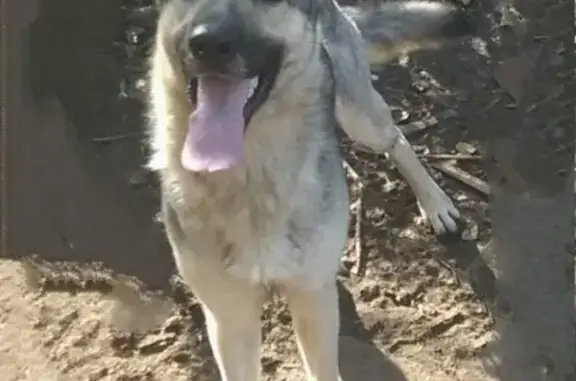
[[429, 329]]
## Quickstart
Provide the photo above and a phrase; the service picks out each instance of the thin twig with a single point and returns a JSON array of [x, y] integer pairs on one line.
[[355, 176], [359, 253], [111, 138], [419, 125], [361, 148], [445, 156], [462, 176]]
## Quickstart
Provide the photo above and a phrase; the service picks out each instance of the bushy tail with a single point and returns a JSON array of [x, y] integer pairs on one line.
[[393, 28]]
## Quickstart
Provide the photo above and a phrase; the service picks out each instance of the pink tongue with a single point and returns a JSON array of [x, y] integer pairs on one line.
[[215, 137]]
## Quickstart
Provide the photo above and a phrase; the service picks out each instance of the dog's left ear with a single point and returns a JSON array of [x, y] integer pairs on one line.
[[345, 50]]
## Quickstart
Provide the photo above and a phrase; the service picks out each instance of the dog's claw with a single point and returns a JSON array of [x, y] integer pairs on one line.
[[444, 217]]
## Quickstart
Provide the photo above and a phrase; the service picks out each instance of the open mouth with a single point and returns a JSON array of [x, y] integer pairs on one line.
[[259, 89], [224, 106]]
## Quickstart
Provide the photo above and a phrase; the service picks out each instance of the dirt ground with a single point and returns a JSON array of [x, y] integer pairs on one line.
[[413, 308]]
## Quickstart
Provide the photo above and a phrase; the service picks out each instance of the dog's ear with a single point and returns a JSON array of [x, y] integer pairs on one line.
[[360, 110], [350, 68], [393, 28]]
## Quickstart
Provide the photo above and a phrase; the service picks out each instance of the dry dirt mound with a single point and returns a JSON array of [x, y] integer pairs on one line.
[[63, 336]]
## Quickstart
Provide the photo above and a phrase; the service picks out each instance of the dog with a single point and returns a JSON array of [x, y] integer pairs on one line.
[[244, 100]]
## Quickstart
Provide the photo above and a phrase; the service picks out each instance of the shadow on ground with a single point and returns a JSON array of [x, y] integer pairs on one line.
[[359, 357], [74, 193]]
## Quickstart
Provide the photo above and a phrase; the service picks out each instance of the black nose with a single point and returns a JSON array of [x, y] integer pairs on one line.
[[211, 44]]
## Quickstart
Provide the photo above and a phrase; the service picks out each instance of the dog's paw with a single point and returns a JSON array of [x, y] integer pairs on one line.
[[440, 211]]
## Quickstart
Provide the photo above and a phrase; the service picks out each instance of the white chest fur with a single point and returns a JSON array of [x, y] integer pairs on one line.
[[246, 222]]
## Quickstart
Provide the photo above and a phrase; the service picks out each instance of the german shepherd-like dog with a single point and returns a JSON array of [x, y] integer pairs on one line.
[[245, 97]]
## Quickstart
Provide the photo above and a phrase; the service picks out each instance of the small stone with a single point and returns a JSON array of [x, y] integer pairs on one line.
[[465, 148], [400, 116], [173, 325], [421, 86], [181, 357], [152, 345], [369, 293], [471, 232]]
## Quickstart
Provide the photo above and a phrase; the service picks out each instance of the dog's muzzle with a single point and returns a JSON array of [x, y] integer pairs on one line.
[[234, 71]]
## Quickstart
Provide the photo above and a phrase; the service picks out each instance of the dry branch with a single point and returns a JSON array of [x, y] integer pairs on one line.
[[360, 254], [462, 176], [444, 156]]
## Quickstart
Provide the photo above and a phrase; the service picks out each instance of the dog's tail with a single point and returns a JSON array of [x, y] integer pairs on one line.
[[393, 28]]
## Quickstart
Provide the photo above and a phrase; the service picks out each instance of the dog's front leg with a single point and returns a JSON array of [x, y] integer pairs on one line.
[[374, 127], [232, 310], [433, 202], [366, 118], [316, 324]]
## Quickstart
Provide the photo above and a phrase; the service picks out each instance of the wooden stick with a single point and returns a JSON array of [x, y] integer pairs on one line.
[[444, 156], [112, 138], [360, 254], [419, 125], [355, 176], [462, 176]]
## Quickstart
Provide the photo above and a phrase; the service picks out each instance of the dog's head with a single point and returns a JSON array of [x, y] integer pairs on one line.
[[231, 56]]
